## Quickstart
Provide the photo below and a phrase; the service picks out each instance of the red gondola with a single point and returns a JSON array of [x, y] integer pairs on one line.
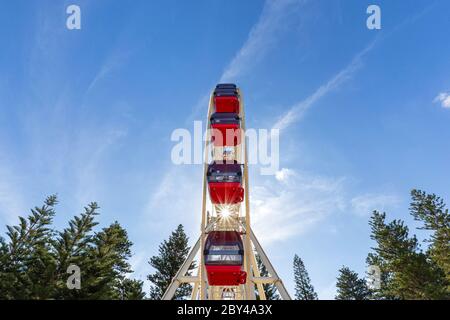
[[225, 183], [226, 129], [226, 98], [224, 255]]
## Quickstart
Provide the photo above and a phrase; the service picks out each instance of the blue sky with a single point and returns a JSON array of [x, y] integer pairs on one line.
[[364, 115]]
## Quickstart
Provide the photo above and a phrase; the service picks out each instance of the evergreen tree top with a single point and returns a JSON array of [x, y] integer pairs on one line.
[[304, 290], [350, 286], [35, 260]]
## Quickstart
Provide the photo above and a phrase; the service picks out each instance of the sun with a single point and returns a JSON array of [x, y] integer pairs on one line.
[[225, 212]]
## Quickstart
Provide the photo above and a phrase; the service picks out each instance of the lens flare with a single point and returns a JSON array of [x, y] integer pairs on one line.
[[225, 212]]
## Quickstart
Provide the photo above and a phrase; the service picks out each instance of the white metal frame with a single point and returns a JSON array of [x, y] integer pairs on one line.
[[201, 290]]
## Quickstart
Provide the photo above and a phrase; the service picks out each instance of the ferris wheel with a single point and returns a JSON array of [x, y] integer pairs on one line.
[[227, 248]]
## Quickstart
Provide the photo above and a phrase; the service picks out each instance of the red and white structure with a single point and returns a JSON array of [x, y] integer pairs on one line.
[[227, 247]]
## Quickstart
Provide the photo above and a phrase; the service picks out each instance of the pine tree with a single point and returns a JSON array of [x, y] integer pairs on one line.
[[27, 261], [109, 262], [73, 247], [130, 289], [432, 212], [6, 276], [350, 286], [34, 262], [269, 289], [172, 253], [406, 271], [303, 287]]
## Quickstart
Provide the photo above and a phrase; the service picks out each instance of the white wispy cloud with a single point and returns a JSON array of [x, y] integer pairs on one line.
[[296, 112], [292, 203], [282, 209], [299, 204], [89, 154], [178, 194], [283, 174], [163, 189], [114, 61], [444, 99], [365, 204], [199, 108], [262, 36], [295, 202]]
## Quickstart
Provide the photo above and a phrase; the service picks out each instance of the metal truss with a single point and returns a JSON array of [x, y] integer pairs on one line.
[[239, 220]]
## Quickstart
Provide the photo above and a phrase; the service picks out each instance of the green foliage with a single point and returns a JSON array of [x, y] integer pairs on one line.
[[431, 211], [130, 289], [34, 263], [303, 287], [28, 263], [407, 272], [172, 253], [73, 246], [350, 286], [269, 289]]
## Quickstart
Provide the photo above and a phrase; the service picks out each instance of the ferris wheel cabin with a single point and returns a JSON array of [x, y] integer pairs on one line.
[[225, 129], [224, 255], [225, 183], [226, 98]]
